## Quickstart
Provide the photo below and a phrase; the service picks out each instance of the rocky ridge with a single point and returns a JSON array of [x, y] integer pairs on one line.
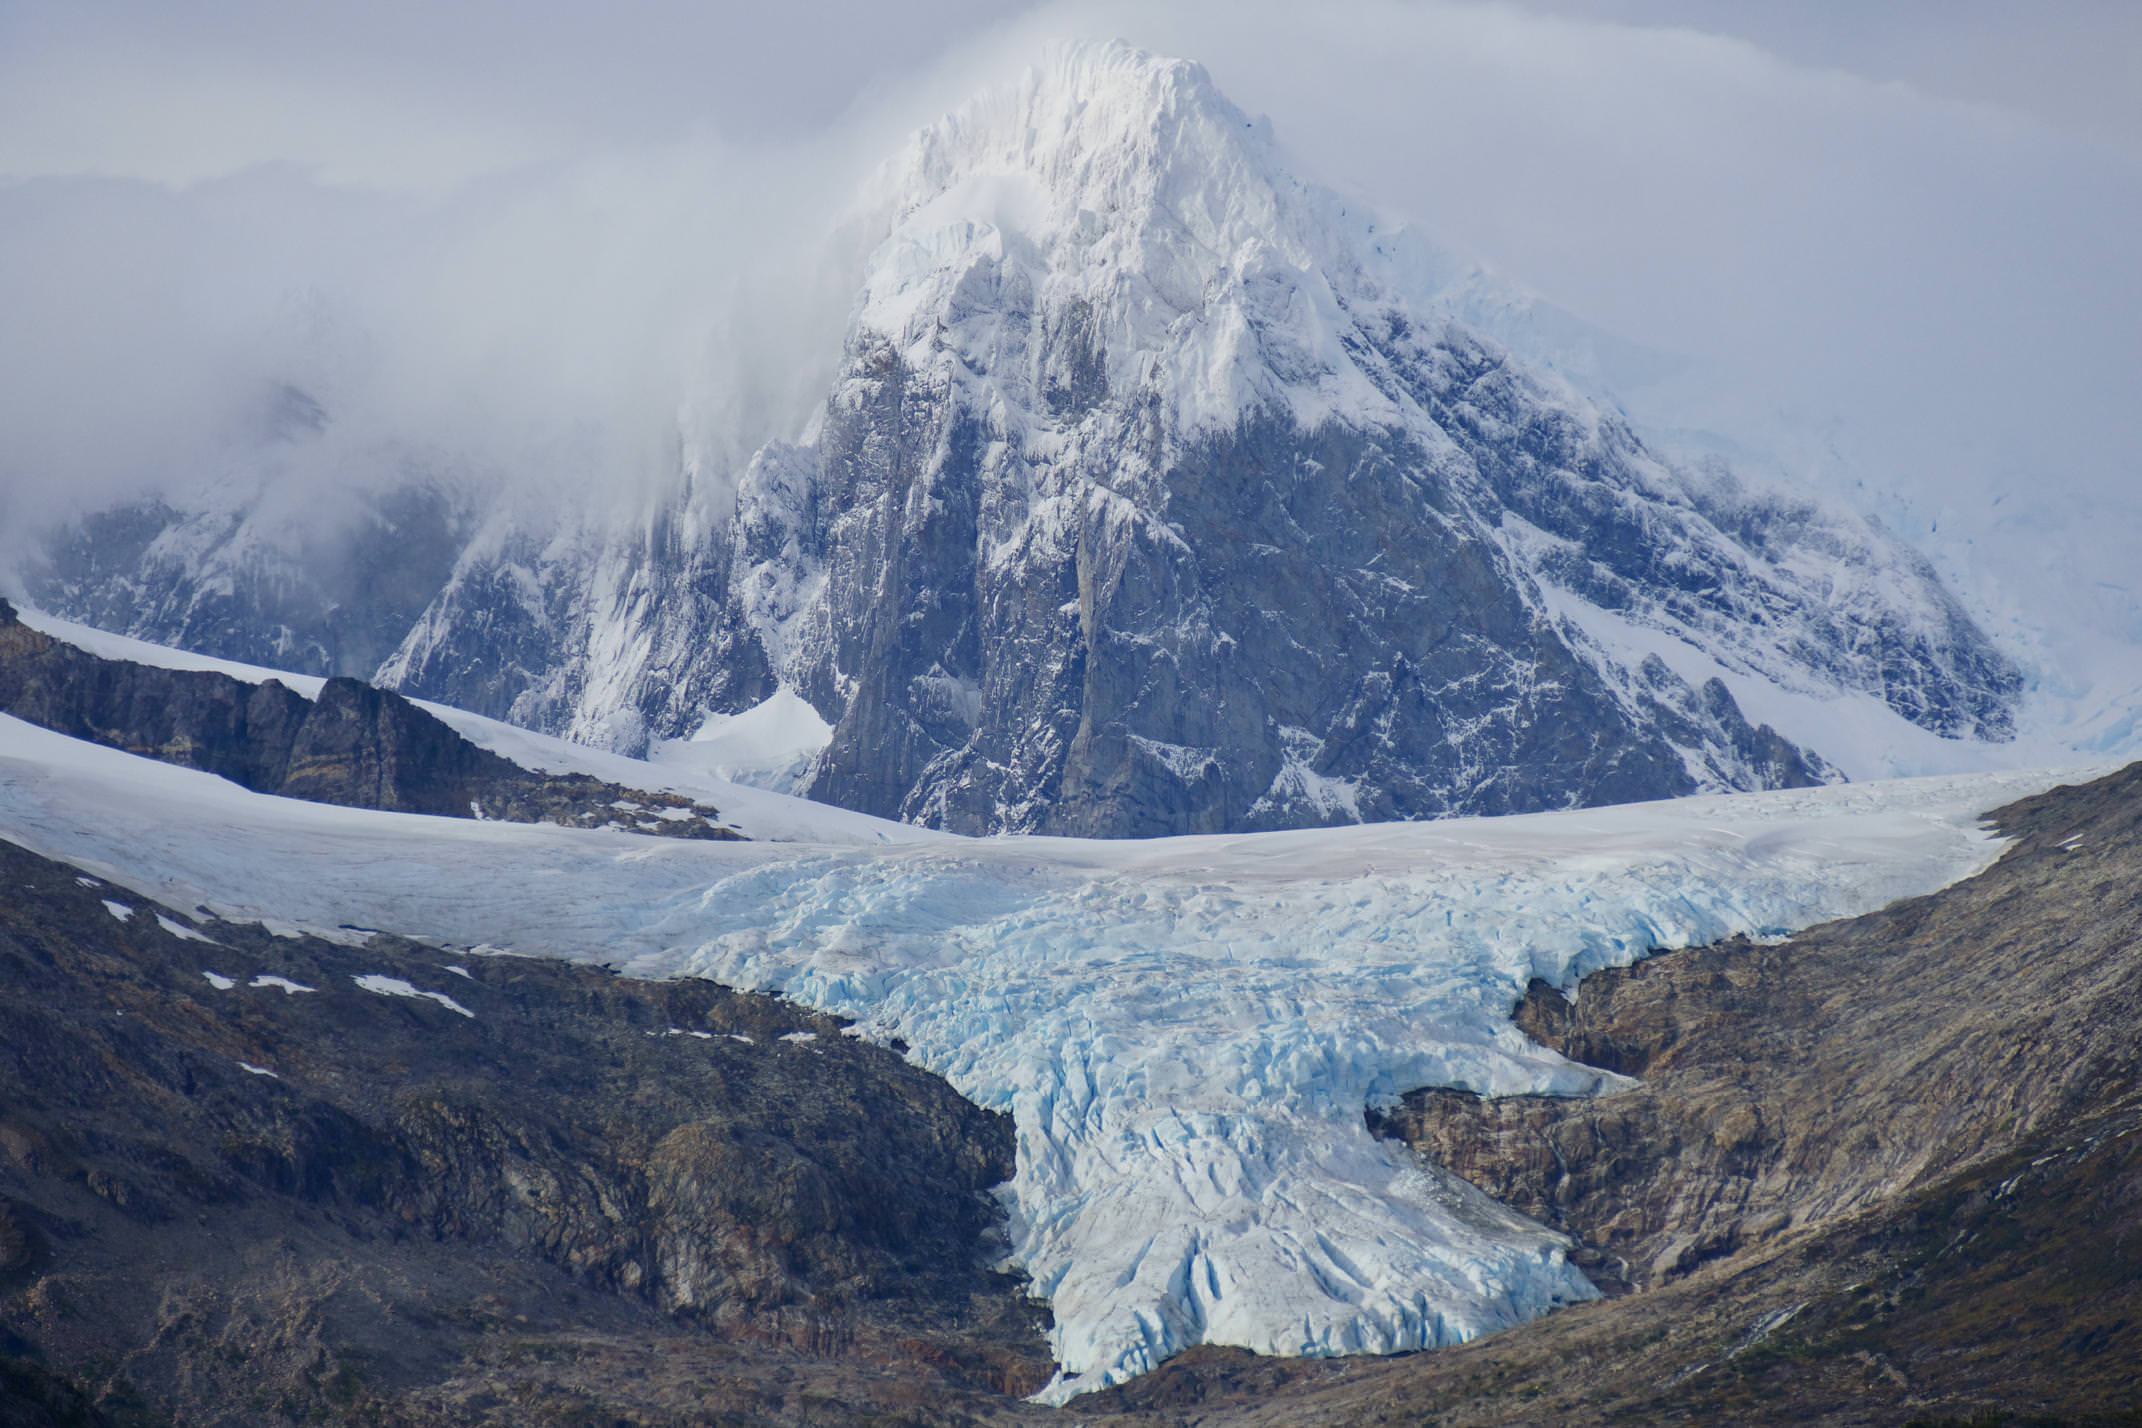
[[1748, 1057], [353, 745]]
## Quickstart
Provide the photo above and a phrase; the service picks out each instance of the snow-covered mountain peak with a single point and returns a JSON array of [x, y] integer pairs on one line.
[[1105, 130], [1119, 197], [1160, 490], [1157, 232]]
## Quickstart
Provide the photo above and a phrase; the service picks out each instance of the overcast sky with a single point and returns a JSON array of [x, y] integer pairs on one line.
[[399, 92], [537, 235]]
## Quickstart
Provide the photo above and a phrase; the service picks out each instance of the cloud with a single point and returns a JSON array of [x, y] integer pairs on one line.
[[539, 241], [2074, 64], [565, 323]]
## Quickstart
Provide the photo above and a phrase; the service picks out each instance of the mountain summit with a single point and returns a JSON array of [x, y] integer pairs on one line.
[[1159, 491]]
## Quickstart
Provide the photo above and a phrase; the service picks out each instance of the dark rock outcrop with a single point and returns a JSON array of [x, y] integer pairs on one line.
[[354, 745], [234, 1202], [1261, 617]]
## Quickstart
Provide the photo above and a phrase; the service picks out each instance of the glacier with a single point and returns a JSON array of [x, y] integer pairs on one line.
[[1185, 1031]]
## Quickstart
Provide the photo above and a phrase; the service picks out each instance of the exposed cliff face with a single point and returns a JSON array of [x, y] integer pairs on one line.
[[610, 630], [1268, 627], [238, 1184], [354, 745], [1157, 491]]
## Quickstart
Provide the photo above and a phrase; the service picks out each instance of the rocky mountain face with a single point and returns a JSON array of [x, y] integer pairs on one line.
[[247, 1178], [354, 745], [1157, 491]]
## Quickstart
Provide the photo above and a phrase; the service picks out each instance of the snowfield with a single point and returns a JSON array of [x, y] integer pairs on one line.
[[1185, 1031]]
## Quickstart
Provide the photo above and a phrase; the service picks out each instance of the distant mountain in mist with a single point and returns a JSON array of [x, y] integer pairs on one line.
[[1158, 490]]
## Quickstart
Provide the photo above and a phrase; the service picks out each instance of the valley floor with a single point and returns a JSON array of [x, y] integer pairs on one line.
[[1184, 1032], [1885, 1171]]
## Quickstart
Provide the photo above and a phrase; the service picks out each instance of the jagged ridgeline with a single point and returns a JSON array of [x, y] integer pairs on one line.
[[1158, 491]]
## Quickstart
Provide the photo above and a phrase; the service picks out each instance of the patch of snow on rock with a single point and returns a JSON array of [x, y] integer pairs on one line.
[[771, 745], [181, 931], [396, 987]]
